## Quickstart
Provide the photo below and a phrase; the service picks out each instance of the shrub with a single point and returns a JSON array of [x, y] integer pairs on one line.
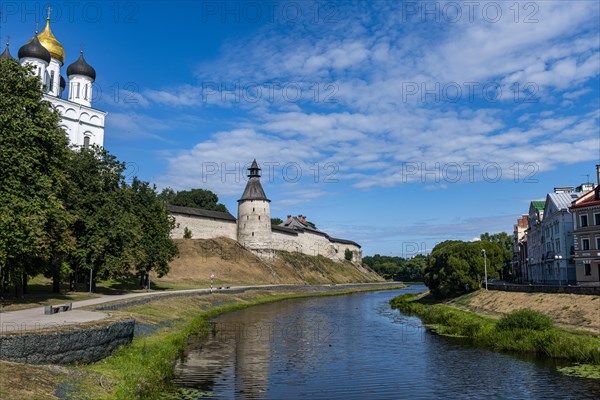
[[348, 254], [187, 233], [524, 319]]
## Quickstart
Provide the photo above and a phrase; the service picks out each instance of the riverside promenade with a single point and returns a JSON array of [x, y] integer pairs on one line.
[[34, 319]]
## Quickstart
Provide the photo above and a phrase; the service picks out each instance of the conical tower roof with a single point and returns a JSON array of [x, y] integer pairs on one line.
[[254, 189]]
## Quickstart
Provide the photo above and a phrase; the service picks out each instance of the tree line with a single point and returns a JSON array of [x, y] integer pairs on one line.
[[64, 211], [453, 267]]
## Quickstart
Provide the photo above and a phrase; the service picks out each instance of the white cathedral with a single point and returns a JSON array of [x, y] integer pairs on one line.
[[83, 123]]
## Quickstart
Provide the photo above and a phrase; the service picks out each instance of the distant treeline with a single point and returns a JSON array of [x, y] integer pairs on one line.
[[398, 268]]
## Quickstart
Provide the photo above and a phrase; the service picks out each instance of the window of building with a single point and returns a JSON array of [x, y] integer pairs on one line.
[[51, 80], [252, 233], [585, 244], [588, 269], [76, 90], [259, 217], [556, 228], [597, 219], [86, 142], [598, 243], [558, 245], [253, 209], [584, 221], [85, 92]]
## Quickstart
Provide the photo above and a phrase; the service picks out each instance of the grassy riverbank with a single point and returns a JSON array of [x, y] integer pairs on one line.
[[144, 369], [508, 333]]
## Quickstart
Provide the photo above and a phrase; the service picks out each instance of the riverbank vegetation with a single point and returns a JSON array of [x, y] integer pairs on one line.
[[522, 331]]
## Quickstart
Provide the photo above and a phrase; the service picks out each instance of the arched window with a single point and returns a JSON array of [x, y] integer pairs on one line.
[[86, 142]]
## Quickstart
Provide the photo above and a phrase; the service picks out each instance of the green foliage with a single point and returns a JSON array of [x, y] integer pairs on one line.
[[550, 342], [398, 268], [196, 198], [276, 221], [348, 254], [524, 319], [33, 152], [187, 233], [506, 243], [64, 210], [456, 267]]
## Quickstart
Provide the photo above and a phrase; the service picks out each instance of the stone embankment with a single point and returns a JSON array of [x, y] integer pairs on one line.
[[80, 345]]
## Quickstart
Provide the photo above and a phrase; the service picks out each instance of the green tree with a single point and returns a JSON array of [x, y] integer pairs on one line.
[[506, 243], [106, 228], [196, 198], [456, 267], [33, 152], [156, 247], [276, 221], [187, 233]]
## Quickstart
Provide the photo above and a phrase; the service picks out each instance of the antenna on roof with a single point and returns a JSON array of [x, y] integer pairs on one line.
[[37, 26], [587, 177]]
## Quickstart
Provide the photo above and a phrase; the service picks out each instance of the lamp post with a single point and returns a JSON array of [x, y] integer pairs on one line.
[[91, 269], [485, 267], [558, 258]]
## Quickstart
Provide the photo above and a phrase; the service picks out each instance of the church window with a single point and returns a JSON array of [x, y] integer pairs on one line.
[[51, 80], [86, 142], [76, 86], [252, 233], [85, 93], [253, 209]]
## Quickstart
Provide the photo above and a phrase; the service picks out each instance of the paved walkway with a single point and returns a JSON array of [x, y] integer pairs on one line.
[[35, 319]]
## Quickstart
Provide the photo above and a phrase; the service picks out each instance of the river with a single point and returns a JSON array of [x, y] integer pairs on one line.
[[356, 347]]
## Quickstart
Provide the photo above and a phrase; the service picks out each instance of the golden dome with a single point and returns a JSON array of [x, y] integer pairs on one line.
[[53, 46]]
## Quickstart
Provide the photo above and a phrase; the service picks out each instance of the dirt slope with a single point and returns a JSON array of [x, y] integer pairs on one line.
[[232, 264], [570, 310]]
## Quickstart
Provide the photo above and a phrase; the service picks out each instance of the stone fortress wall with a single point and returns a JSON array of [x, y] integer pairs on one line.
[[254, 231]]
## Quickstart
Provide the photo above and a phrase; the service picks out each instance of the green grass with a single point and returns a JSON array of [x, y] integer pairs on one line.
[[544, 340]]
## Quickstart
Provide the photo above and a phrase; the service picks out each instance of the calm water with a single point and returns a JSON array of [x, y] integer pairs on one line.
[[357, 347]]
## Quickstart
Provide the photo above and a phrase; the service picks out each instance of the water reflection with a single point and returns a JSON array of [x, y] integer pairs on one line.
[[356, 347]]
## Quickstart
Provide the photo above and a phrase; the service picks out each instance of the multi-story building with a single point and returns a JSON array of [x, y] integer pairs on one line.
[[533, 264], [520, 248], [586, 248], [557, 237]]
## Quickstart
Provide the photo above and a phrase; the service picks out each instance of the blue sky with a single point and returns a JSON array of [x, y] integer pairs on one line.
[[395, 124]]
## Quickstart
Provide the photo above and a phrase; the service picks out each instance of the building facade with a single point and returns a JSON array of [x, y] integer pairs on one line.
[[533, 263], [254, 231], [586, 236], [557, 238], [46, 56], [520, 249]]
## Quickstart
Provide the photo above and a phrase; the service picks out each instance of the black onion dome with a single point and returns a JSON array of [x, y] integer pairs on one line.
[[34, 49], [63, 83], [5, 54], [81, 67]]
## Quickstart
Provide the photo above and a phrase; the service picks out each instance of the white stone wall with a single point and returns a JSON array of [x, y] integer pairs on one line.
[[80, 121], [285, 242], [80, 90], [254, 224], [203, 228], [340, 255]]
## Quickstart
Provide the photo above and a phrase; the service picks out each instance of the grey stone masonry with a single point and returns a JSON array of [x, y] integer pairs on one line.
[[84, 345]]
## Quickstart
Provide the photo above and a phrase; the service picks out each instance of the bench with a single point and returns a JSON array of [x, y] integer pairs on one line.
[[56, 309]]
